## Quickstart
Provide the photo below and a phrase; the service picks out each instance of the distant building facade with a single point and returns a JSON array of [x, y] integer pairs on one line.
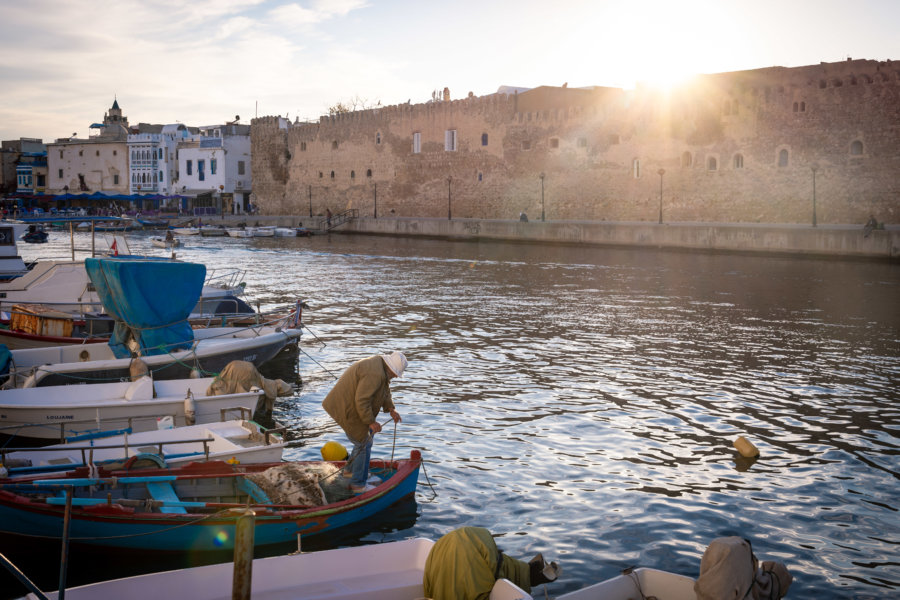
[[96, 164], [23, 164], [214, 166], [768, 145]]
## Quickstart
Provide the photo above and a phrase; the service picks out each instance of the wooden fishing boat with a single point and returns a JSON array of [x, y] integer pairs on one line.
[[388, 571], [195, 508], [237, 440], [56, 413]]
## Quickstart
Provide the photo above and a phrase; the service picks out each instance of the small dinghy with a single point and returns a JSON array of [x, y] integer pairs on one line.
[[165, 242]]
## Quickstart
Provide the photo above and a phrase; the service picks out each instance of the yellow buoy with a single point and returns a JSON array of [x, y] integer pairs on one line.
[[334, 451], [745, 447]]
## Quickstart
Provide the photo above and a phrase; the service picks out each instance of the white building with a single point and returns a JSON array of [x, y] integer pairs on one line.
[[214, 167], [153, 160]]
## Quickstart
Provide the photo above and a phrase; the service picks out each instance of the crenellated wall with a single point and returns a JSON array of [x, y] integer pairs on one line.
[[734, 147]]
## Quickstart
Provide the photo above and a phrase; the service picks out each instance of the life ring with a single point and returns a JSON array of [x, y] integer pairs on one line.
[[157, 460]]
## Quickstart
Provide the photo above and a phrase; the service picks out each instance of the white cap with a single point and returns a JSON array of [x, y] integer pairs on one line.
[[396, 362]]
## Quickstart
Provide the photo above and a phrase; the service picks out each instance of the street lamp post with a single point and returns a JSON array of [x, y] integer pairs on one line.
[[661, 173], [542, 198], [310, 202], [449, 214], [65, 195], [814, 169], [375, 191]]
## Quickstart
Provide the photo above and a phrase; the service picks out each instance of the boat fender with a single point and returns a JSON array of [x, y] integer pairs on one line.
[[333, 451], [745, 447], [190, 409]]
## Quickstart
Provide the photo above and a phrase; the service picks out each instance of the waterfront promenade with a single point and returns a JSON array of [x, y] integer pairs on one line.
[[845, 241]]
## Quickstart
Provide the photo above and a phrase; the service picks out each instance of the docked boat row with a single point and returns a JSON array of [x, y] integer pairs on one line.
[[133, 444], [241, 232]]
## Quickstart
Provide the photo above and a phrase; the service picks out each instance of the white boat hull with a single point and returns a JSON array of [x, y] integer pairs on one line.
[[212, 349], [660, 584], [63, 411], [234, 440], [389, 571]]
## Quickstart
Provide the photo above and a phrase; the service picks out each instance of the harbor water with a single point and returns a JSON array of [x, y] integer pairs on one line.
[[583, 402]]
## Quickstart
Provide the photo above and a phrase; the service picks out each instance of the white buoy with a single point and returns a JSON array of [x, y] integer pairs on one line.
[[190, 410]]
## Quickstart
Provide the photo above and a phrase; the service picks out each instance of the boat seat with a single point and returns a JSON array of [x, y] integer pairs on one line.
[[253, 490], [164, 492]]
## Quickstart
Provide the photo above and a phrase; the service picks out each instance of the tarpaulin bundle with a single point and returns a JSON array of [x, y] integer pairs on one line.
[[150, 301]]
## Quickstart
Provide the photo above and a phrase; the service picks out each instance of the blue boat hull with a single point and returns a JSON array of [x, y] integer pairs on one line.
[[201, 533]]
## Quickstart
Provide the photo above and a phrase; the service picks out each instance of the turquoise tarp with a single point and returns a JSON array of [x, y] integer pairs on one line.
[[150, 301]]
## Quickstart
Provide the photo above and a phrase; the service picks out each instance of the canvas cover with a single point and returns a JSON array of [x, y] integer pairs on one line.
[[150, 301]]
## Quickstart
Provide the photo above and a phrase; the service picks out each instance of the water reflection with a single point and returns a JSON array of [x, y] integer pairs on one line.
[[583, 402]]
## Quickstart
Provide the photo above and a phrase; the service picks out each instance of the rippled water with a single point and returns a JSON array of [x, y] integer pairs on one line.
[[583, 402]]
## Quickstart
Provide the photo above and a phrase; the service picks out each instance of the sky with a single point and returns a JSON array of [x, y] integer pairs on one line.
[[202, 62]]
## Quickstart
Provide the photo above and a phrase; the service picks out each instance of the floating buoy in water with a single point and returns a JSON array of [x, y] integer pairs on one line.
[[745, 447], [334, 451]]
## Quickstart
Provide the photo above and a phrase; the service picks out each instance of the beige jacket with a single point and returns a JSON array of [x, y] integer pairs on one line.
[[358, 396]]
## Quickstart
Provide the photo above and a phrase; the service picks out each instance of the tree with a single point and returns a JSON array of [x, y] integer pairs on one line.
[[352, 105]]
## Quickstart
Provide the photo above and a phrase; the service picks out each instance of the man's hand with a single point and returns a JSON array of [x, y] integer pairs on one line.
[[375, 427], [395, 416]]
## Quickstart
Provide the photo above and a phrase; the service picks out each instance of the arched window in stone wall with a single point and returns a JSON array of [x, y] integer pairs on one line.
[[796, 106], [853, 80], [712, 164], [866, 78], [484, 139], [334, 145], [302, 146], [332, 174], [368, 172], [352, 174], [480, 176], [636, 168], [687, 159], [856, 148], [738, 161], [803, 107], [377, 138], [321, 174], [783, 157]]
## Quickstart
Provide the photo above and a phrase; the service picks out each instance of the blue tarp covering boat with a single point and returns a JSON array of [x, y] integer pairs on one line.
[[150, 301]]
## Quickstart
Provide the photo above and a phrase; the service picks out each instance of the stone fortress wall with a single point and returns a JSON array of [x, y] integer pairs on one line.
[[737, 147]]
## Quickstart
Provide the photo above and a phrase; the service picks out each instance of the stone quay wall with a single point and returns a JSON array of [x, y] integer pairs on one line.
[[770, 146], [835, 241]]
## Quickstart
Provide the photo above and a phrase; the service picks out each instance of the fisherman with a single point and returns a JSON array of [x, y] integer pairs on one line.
[[354, 403], [465, 563]]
